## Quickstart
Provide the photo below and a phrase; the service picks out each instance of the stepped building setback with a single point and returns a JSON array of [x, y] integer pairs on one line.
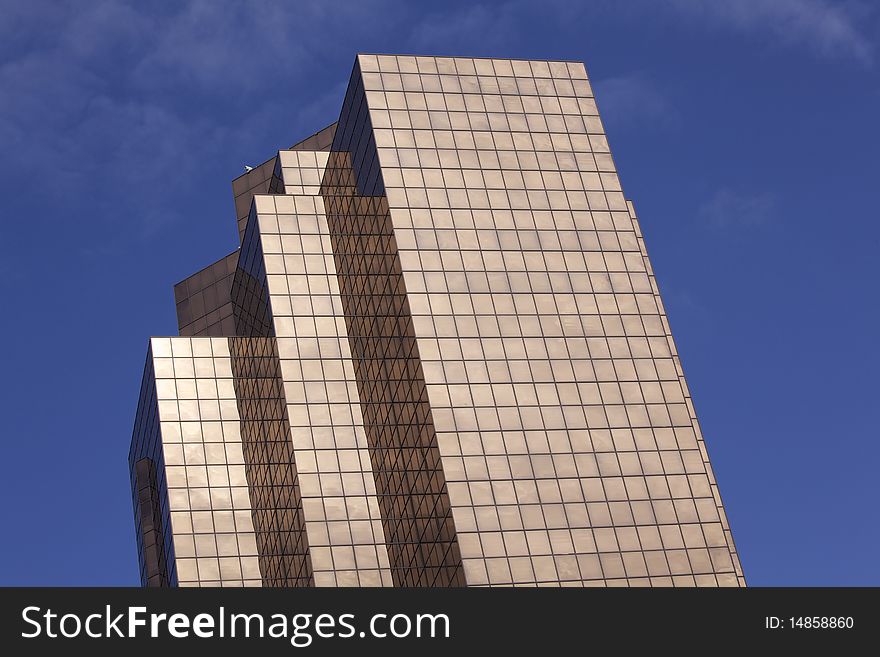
[[438, 357]]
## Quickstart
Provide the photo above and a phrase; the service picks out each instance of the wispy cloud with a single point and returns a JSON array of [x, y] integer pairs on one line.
[[634, 99], [831, 29], [486, 25], [727, 209], [126, 105]]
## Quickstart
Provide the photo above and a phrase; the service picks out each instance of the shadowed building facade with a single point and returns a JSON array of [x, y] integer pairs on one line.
[[438, 358]]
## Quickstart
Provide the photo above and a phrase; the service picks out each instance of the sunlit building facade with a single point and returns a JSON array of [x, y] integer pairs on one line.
[[438, 357]]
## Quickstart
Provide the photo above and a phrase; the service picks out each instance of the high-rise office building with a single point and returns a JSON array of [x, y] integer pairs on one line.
[[438, 358]]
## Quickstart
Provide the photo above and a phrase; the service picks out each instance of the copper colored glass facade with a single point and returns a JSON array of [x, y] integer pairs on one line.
[[438, 358]]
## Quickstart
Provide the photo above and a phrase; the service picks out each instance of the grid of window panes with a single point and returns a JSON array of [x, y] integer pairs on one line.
[[722, 516], [246, 186], [265, 428], [156, 568], [250, 295], [403, 444], [462, 373], [300, 171], [319, 141], [340, 508], [569, 449], [209, 502], [270, 466], [203, 300]]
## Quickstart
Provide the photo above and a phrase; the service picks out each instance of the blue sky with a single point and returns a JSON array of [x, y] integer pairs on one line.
[[745, 131]]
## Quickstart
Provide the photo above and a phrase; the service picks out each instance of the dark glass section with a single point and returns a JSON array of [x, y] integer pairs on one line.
[[154, 539], [276, 184], [204, 300], [416, 515], [147, 492], [269, 463], [354, 135], [250, 296], [265, 428], [320, 141], [245, 187]]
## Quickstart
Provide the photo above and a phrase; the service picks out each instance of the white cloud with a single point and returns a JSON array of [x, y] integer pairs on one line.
[[125, 105], [829, 29], [634, 99], [728, 209], [484, 25]]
